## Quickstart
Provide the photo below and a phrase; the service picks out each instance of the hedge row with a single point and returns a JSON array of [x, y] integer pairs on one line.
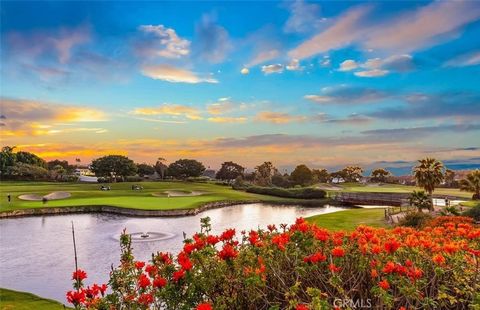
[[300, 193]]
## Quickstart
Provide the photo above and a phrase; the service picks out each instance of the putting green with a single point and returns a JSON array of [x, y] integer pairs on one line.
[[14, 300]]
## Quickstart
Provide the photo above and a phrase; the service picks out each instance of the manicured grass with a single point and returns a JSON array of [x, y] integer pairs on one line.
[[14, 300], [397, 188], [350, 219], [471, 203], [121, 195]]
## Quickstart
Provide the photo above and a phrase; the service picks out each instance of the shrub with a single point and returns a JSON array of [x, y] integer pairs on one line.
[[300, 193], [301, 266], [133, 178], [473, 212], [415, 219]]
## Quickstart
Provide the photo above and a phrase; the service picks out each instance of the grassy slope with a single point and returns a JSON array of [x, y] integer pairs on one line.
[[350, 219], [397, 188], [14, 300], [122, 195]]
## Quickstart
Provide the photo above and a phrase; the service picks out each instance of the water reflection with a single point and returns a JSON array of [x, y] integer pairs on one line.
[[36, 253]]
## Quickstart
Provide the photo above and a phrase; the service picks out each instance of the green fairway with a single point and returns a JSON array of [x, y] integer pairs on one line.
[[121, 195], [350, 219], [13, 300], [395, 188]]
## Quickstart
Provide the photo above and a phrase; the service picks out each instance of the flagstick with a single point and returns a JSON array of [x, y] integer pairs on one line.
[[75, 253]]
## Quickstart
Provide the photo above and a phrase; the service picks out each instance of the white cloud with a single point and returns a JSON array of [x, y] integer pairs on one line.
[[175, 75], [166, 42], [348, 65], [264, 56], [275, 68], [294, 65], [213, 43], [371, 73], [245, 71]]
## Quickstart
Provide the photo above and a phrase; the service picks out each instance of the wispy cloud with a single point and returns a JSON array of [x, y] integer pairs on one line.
[[175, 75], [347, 95], [171, 110], [275, 68], [227, 119], [303, 17], [222, 106], [213, 43], [278, 118], [468, 59], [160, 41]]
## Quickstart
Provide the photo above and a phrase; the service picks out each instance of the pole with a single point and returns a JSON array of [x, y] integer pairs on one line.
[[75, 254]]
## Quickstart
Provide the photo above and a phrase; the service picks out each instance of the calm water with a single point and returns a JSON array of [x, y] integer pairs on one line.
[[36, 253]]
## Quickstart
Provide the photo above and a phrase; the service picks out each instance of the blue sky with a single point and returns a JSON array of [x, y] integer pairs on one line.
[[321, 83]]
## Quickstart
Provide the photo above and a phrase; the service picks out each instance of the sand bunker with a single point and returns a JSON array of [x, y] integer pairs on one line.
[[51, 196], [178, 193]]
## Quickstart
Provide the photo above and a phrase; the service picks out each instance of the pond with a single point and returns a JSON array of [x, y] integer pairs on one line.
[[36, 253]]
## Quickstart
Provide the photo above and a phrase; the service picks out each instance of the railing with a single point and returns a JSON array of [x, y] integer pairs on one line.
[[384, 199]]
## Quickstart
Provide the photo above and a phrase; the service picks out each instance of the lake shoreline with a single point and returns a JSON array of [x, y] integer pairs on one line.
[[151, 213]]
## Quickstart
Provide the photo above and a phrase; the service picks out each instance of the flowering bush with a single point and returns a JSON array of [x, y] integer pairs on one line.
[[300, 266]]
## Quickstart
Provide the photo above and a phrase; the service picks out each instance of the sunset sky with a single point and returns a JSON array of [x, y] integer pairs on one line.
[[323, 83]]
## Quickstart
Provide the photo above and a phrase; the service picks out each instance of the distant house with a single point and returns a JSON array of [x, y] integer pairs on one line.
[[209, 173], [83, 171]]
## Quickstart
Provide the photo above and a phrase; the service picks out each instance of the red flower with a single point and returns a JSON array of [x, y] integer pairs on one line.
[[384, 284], [390, 267], [159, 282], [177, 275], [188, 248], [338, 252], [143, 281], [271, 227], [374, 273], [204, 306], [164, 258], [184, 261], [391, 246], [151, 270], [228, 252], [281, 240], [139, 265], [145, 299], [334, 268], [76, 297], [227, 234], [79, 275], [439, 259], [253, 238], [103, 288], [212, 240], [301, 307], [315, 258]]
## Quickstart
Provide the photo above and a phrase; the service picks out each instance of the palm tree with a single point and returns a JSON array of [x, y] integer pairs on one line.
[[472, 184], [420, 200], [428, 174]]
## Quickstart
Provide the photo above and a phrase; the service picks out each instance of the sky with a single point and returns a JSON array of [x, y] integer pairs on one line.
[[377, 84]]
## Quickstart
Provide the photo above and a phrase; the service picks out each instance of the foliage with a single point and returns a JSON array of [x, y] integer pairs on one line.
[[301, 175], [450, 210], [450, 178], [11, 162], [380, 175], [113, 166], [301, 266], [352, 173], [300, 193], [62, 163], [184, 168], [161, 167], [229, 171], [321, 175], [428, 174], [145, 169], [473, 212], [420, 200], [264, 173], [281, 180], [30, 159], [415, 219], [472, 183], [22, 171]]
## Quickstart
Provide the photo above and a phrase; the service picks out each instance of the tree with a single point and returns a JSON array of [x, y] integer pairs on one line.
[[301, 175], [321, 175], [281, 180], [161, 167], [112, 166], [352, 173], [24, 171], [450, 178], [264, 174], [7, 159], [145, 169], [421, 201], [184, 168], [57, 172], [428, 174], [472, 183], [30, 159], [380, 175], [229, 171]]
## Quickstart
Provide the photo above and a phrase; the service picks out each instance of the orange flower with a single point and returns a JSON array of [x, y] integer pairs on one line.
[[338, 252], [384, 284], [439, 259]]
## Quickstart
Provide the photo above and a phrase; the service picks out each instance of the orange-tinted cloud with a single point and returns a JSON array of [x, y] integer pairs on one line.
[[278, 118], [171, 110], [175, 75]]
